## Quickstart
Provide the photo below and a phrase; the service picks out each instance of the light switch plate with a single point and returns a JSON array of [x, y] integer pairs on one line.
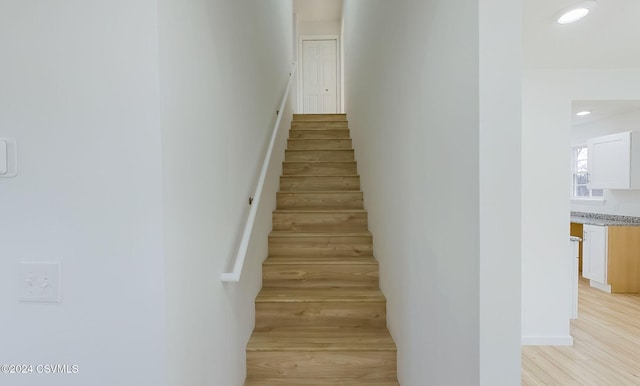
[[8, 158], [40, 282]]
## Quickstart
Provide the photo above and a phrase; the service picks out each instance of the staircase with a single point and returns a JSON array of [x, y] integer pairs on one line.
[[320, 316]]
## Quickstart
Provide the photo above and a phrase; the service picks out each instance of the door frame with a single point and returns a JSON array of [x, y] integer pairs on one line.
[[300, 71]]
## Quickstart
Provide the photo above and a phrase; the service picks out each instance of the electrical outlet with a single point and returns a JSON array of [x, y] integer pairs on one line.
[[40, 282]]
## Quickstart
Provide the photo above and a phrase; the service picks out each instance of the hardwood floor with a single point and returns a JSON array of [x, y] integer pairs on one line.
[[606, 348]]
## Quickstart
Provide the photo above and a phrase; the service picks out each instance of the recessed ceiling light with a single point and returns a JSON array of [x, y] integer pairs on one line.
[[574, 12], [583, 113]]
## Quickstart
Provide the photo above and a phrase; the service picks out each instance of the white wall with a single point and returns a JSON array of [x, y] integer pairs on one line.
[[307, 27], [500, 46], [546, 141], [618, 123], [433, 142], [223, 69], [79, 92], [294, 42], [619, 202]]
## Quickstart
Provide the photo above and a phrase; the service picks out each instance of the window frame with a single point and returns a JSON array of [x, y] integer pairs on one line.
[[574, 174]]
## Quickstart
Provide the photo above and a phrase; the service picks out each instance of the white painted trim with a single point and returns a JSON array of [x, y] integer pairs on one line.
[[576, 200], [343, 97], [339, 69], [600, 286], [547, 340]]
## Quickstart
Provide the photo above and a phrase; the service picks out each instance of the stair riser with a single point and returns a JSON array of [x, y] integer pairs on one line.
[[319, 117], [321, 365], [319, 125], [321, 246], [348, 168], [318, 144], [319, 155], [337, 200], [320, 222], [319, 134], [320, 275], [321, 314], [319, 183]]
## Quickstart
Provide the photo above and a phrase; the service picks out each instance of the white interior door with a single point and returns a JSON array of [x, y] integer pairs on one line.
[[320, 76]]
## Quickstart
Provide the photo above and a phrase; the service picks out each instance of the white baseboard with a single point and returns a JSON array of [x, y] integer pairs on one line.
[[600, 286], [547, 340]]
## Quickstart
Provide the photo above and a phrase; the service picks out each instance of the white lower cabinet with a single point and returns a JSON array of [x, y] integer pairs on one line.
[[574, 279], [594, 253]]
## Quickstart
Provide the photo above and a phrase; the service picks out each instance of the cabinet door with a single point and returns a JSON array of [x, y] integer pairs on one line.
[[586, 253], [610, 161], [594, 253]]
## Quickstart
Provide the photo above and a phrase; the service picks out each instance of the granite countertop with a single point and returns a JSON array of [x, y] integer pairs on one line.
[[604, 219]]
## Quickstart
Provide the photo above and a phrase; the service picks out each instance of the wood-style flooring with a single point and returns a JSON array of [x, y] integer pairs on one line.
[[606, 348]]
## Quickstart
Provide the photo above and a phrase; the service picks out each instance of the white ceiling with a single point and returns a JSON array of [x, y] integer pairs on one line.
[[609, 37], [601, 110], [318, 10]]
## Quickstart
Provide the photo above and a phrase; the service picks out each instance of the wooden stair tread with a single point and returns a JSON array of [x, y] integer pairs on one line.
[[319, 192], [307, 131], [319, 143], [319, 117], [319, 175], [319, 234], [320, 199], [329, 128], [321, 210], [319, 295], [319, 162], [320, 182], [319, 126], [319, 155], [313, 260], [319, 139], [314, 209], [294, 176], [339, 177], [319, 382], [321, 339], [308, 150]]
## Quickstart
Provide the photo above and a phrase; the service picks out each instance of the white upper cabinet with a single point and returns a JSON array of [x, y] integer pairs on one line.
[[614, 161]]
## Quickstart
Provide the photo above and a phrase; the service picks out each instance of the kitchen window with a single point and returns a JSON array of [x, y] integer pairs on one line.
[[580, 158]]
